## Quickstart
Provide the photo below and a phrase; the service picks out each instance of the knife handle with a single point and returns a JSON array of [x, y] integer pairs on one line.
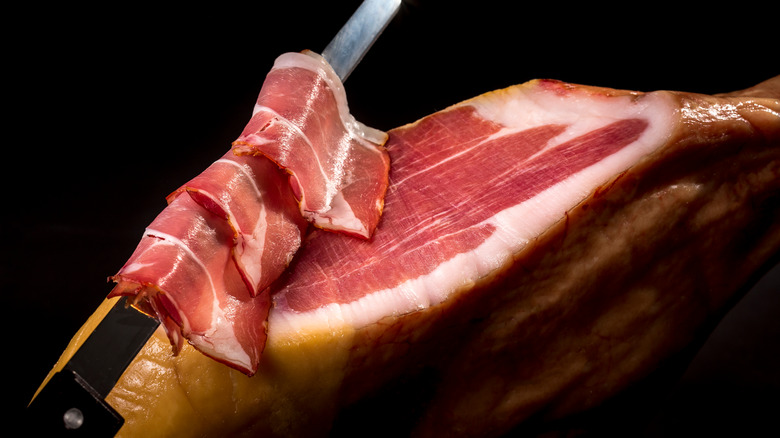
[[73, 402]]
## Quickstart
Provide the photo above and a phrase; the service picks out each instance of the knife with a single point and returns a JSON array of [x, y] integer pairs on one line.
[[73, 402], [351, 43]]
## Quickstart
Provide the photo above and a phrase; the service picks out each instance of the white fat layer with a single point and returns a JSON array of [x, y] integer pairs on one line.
[[219, 340], [515, 226], [520, 108], [222, 344]]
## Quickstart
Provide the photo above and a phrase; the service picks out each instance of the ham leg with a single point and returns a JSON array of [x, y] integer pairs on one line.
[[542, 249], [627, 279]]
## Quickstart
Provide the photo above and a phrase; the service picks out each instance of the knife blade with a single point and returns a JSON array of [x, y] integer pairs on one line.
[[351, 43], [73, 402]]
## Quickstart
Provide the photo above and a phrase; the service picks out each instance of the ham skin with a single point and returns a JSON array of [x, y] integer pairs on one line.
[[542, 249]]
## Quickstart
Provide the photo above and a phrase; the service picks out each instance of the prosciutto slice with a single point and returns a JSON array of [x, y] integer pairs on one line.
[[338, 165], [253, 197], [542, 248], [183, 274]]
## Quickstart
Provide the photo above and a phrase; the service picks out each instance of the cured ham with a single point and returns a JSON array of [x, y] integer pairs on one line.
[[204, 266], [338, 166], [542, 248]]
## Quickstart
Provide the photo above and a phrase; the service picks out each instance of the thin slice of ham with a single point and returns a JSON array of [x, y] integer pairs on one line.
[[183, 274], [338, 165], [253, 196]]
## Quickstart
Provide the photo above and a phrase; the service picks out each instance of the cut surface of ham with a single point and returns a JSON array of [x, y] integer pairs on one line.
[[470, 187], [338, 166], [542, 249]]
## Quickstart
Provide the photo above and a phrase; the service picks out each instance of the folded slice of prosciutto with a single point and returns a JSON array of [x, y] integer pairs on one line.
[[333, 159], [542, 249]]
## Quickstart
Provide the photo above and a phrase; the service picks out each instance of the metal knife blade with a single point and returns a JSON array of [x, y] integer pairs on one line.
[[360, 32], [73, 402]]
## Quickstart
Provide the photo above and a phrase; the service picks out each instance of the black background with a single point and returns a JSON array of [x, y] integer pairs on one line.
[[110, 109]]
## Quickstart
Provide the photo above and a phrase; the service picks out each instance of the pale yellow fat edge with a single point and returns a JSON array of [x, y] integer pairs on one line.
[[162, 395]]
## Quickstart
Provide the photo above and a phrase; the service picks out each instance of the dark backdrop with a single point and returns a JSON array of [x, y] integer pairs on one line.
[[113, 108]]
